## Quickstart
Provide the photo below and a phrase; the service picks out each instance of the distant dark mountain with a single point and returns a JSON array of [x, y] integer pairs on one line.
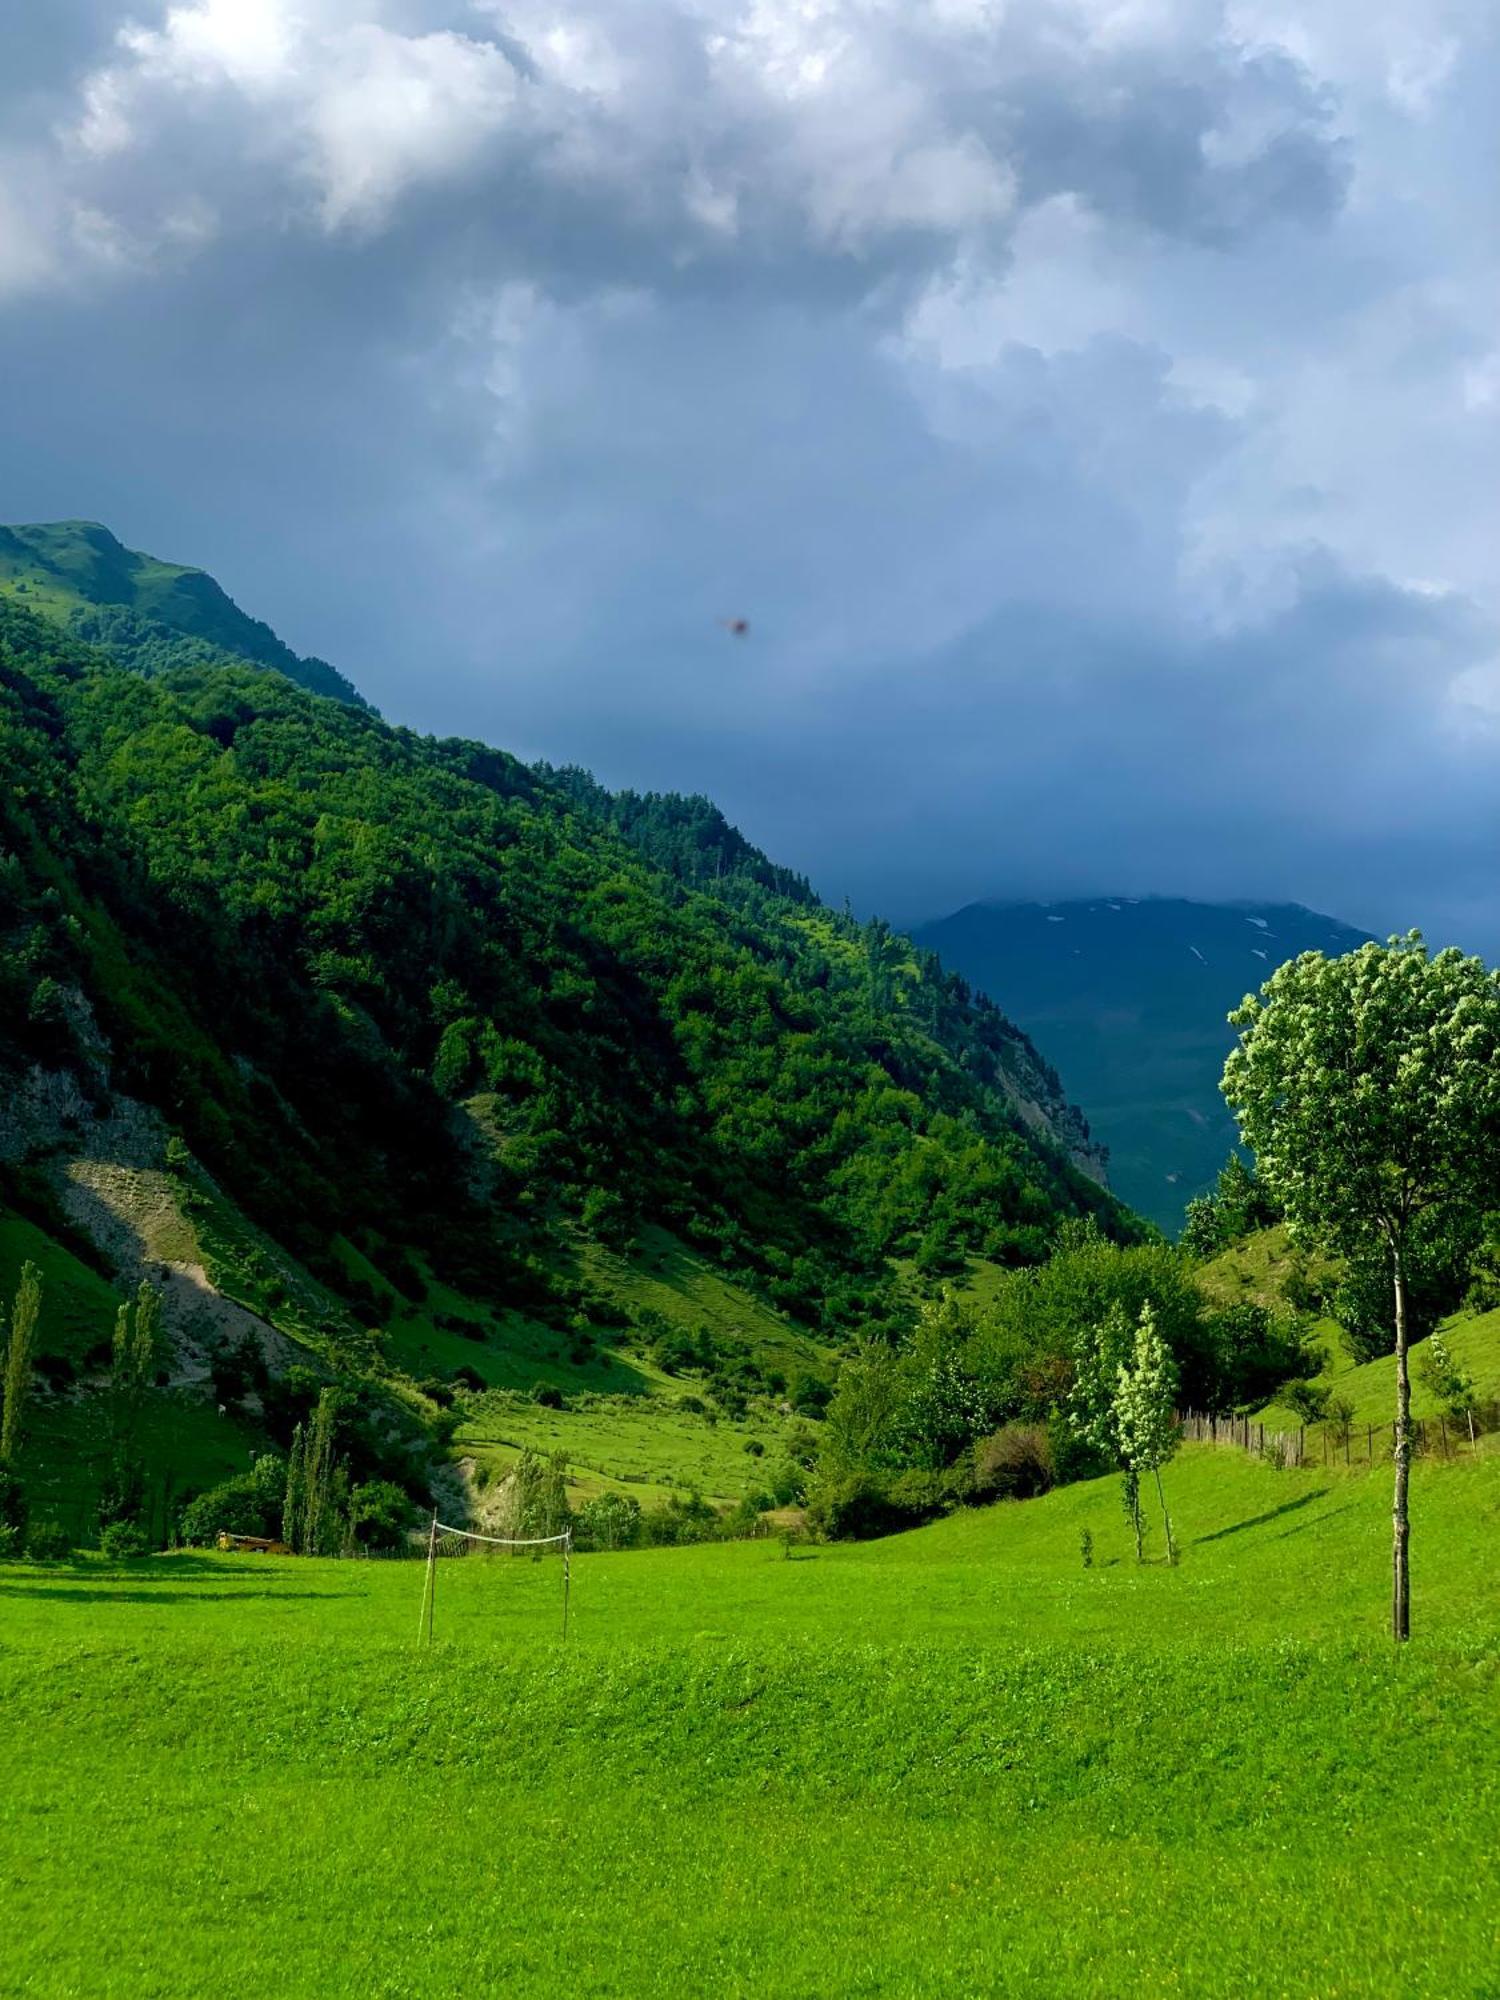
[[149, 615], [1128, 997]]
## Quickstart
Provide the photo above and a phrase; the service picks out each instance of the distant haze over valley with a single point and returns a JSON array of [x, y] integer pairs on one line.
[[1127, 996]]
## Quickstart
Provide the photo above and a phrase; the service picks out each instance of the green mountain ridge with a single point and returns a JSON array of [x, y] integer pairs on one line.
[[1129, 996], [404, 1063], [148, 614]]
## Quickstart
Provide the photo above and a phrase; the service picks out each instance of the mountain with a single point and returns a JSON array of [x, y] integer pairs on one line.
[[1129, 997], [395, 1061], [146, 613]]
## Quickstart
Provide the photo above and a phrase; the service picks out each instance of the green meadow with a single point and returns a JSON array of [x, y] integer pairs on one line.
[[956, 1761]]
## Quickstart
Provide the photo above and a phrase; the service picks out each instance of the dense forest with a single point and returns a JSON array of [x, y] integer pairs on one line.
[[414, 992]]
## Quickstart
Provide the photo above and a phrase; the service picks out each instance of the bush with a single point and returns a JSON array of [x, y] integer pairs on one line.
[[808, 1396], [548, 1396], [123, 1541], [1308, 1401], [248, 1504], [379, 1514], [49, 1541], [1013, 1463], [685, 1517], [861, 1505], [608, 1521]]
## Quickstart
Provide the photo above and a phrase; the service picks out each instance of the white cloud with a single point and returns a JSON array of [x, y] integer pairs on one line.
[[398, 110]]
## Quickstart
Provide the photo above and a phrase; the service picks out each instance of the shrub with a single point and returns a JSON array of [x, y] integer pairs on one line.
[[808, 1396], [1013, 1463], [548, 1396], [608, 1521], [465, 1377], [379, 1514], [685, 1517], [248, 1504], [49, 1541], [1308, 1401], [861, 1505], [755, 1448], [123, 1541]]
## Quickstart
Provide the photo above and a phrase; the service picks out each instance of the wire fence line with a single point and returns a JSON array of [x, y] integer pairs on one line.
[[1333, 1442]]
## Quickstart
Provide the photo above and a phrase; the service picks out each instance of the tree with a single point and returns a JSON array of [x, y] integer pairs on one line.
[[1101, 1354], [132, 1370], [1368, 1088], [23, 1319], [1145, 1414]]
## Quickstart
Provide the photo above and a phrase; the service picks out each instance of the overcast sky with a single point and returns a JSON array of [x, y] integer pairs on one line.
[[1094, 408]]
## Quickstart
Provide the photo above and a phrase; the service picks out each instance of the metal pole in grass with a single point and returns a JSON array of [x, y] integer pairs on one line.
[[429, 1585], [567, 1577]]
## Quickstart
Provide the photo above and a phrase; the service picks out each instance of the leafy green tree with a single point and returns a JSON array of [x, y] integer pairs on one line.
[[379, 1514], [1443, 1375], [1145, 1411], [248, 1504], [1368, 1088], [1102, 1354], [18, 1352], [609, 1521]]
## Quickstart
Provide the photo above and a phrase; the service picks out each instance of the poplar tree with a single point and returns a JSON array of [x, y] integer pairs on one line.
[[1100, 1354], [17, 1386], [137, 1326], [1145, 1411], [1368, 1088]]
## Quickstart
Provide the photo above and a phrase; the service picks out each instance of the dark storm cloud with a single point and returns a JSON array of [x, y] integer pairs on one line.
[[1093, 407]]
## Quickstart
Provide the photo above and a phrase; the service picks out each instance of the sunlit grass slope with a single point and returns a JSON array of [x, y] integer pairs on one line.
[[955, 1762], [1474, 1343]]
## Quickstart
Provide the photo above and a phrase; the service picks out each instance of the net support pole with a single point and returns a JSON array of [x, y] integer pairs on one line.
[[567, 1578], [429, 1588]]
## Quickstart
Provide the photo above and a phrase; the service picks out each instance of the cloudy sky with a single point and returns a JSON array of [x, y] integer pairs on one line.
[[1094, 405]]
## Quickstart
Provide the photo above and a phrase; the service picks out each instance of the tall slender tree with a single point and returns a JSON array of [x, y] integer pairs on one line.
[[1368, 1088], [1101, 1353], [1145, 1411], [18, 1351], [137, 1328]]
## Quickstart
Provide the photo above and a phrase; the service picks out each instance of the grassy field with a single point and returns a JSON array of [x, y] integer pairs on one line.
[[953, 1762]]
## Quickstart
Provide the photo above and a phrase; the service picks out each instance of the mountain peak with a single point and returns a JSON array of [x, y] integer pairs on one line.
[[81, 575]]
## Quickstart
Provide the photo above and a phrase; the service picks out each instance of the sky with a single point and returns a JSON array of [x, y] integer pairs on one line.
[[1093, 406]]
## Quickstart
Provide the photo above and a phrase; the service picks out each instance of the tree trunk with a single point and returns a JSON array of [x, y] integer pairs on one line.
[[1400, 1523], [1166, 1518]]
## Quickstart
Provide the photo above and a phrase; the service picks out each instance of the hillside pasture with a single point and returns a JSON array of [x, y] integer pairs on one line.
[[956, 1761]]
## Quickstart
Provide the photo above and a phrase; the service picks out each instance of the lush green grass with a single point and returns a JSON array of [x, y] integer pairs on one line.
[[1371, 1385], [646, 1445], [954, 1762]]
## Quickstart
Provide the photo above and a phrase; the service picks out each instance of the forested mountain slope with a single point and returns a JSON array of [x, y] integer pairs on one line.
[[1129, 996], [377, 1034], [148, 614]]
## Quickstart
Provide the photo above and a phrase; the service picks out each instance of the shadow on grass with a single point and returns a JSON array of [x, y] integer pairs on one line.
[[107, 1593], [1260, 1520]]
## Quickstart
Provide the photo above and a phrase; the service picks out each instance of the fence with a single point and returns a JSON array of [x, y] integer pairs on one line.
[[1332, 1442]]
